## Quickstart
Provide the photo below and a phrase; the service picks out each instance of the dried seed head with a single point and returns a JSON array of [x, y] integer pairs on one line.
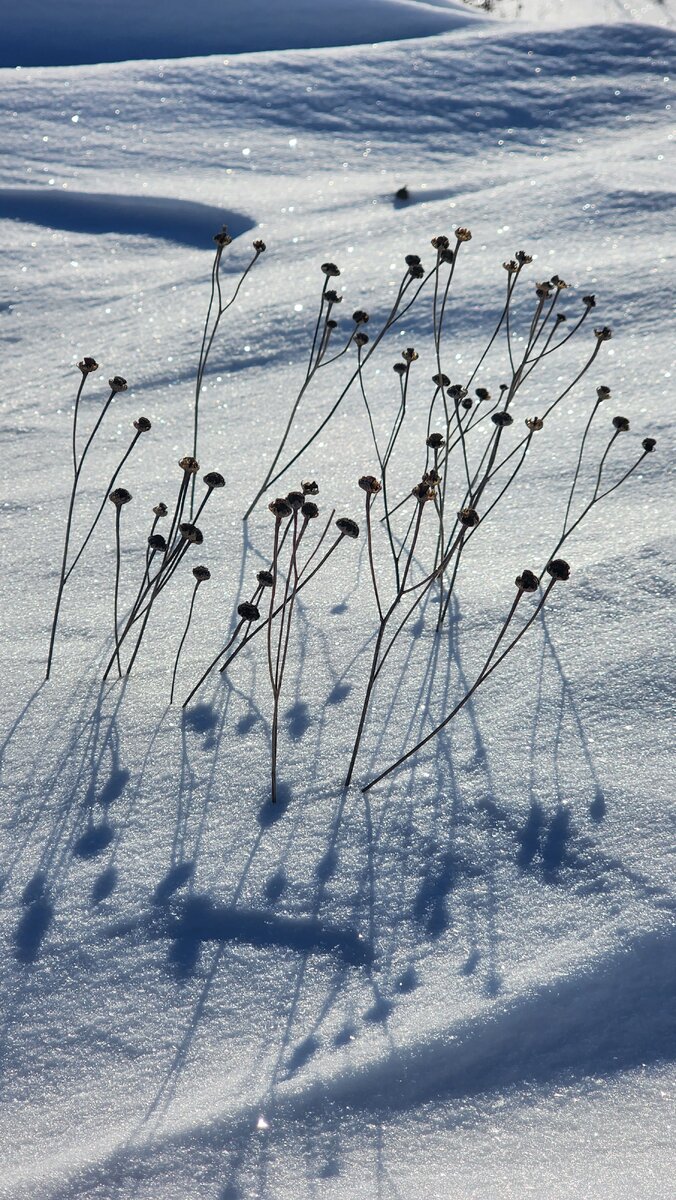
[[423, 491], [416, 271], [189, 464], [621, 424], [431, 477], [157, 542], [511, 266], [534, 423], [330, 323], [142, 424], [280, 508], [333, 297], [603, 392], [410, 355], [467, 402], [360, 317], [522, 258], [370, 485], [222, 238], [468, 517], [309, 510], [87, 365], [348, 527], [201, 574], [441, 380], [213, 479], [265, 578], [482, 393], [435, 441], [441, 242], [330, 270], [295, 500], [558, 568], [399, 369], [456, 391], [119, 496], [649, 445], [527, 582], [190, 533], [589, 301], [259, 246], [558, 283], [160, 509], [310, 487], [117, 383], [412, 260], [501, 419], [559, 318], [463, 235], [543, 290], [248, 611], [447, 256], [361, 339], [603, 334]]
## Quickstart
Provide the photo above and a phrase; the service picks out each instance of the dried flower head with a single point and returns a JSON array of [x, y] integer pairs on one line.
[[559, 283], [412, 260], [117, 383], [416, 271], [370, 485], [558, 568], [534, 423], [456, 391], [360, 317], [621, 424], [119, 496], [463, 235], [559, 318], [333, 297], [309, 510], [603, 392], [410, 355], [467, 402], [310, 487], [511, 266], [603, 334], [589, 301], [142, 424], [259, 246], [265, 578], [543, 290], [160, 509], [157, 542], [649, 445], [330, 270], [399, 369], [441, 242], [440, 379], [201, 574], [213, 479], [248, 611], [295, 500], [361, 339], [222, 238], [424, 490], [447, 256], [482, 393], [527, 582], [522, 258], [348, 527], [88, 365], [331, 324], [189, 464], [501, 419], [431, 477], [468, 517], [435, 441], [280, 508], [190, 533]]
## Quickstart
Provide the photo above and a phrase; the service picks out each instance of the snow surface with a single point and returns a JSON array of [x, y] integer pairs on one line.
[[461, 985]]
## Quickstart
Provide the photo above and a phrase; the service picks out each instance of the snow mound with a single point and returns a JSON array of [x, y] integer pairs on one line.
[[42, 34]]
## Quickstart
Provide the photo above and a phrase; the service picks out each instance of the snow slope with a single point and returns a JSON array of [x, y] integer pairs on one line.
[[463, 984]]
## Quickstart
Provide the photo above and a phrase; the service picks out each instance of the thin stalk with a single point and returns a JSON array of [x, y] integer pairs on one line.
[[182, 642]]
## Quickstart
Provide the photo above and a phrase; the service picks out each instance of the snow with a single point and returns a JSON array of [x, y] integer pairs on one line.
[[461, 984]]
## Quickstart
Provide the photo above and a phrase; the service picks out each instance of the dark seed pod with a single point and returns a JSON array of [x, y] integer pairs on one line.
[[463, 235], [295, 500], [157, 542], [423, 491], [482, 393], [412, 260], [369, 484], [191, 533], [621, 424], [142, 424], [535, 423], [310, 487], [265, 578], [604, 334], [348, 527], [523, 258], [589, 301], [511, 266], [222, 238], [201, 574], [447, 256], [467, 402], [189, 464], [310, 510], [280, 508], [649, 445], [603, 392], [416, 271], [456, 391], [88, 365], [333, 297], [468, 517], [248, 611], [410, 355], [259, 246], [330, 269], [558, 568], [118, 384], [559, 318], [527, 582], [360, 317], [441, 242], [441, 380], [502, 419], [435, 441], [213, 479], [431, 477], [160, 509], [399, 369], [361, 339], [331, 324], [119, 496]]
